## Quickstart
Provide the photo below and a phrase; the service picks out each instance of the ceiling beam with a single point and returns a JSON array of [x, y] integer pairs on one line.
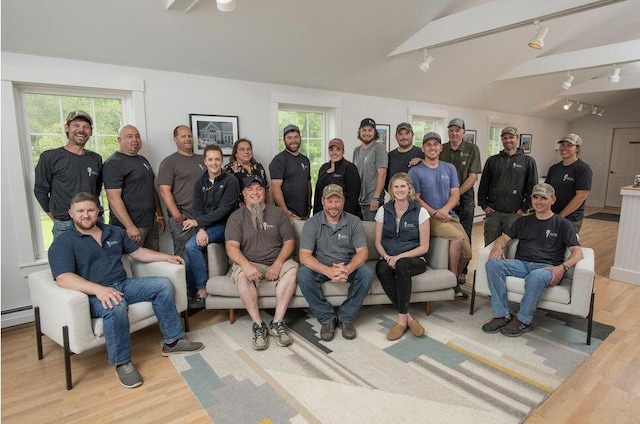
[[497, 16], [618, 53]]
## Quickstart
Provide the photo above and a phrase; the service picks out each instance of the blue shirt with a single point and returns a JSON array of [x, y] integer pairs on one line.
[[435, 184], [99, 263]]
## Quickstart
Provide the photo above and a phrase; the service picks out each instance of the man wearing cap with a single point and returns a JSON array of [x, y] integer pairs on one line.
[[133, 201], [177, 174], [540, 259], [333, 248], [260, 241], [438, 191], [505, 186], [290, 173], [571, 178], [371, 159], [66, 171], [466, 158], [405, 155]]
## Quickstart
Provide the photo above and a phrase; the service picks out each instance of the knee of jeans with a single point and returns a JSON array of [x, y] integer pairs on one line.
[[119, 311], [303, 276]]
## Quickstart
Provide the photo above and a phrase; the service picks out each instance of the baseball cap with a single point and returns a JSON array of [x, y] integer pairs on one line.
[[336, 142], [456, 122], [289, 128], [510, 130], [367, 121], [253, 179], [79, 114], [404, 126], [572, 138], [430, 135], [332, 190], [545, 190]]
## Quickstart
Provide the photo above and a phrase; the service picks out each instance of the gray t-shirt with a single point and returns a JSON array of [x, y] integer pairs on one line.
[[333, 245], [368, 161], [181, 172], [264, 246]]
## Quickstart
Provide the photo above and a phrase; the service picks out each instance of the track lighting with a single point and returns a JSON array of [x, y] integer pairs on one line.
[[226, 5], [595, 109], [580, 105], [600, 111], [567, 82], [537, 42], [615, 75], [426, 63], [567, 105]]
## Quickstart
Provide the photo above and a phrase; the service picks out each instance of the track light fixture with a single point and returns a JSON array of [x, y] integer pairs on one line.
[[580, 105], [615, 75], [567, 105], [537, 42], [226, 5], [426, 63], [595, 109], [568, 82], [600, 111]]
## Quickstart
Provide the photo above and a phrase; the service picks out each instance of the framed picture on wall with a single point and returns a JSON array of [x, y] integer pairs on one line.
[[214, 129], [384, 131], [470, 136], [525, 142]]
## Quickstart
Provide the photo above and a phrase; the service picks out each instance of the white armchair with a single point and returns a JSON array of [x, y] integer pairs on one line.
[[63, 314], [574, 295]]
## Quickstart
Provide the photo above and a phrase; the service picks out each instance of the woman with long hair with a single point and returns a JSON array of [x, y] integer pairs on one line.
[[242, 164]]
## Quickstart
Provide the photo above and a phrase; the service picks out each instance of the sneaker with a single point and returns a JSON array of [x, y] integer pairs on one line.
[[348, 330], [260, 336], [515, 328], [462, 279], [460, 295], [182, 346], [496, 324], [128, 375], [279, 331], [328, 330], [196, 302]]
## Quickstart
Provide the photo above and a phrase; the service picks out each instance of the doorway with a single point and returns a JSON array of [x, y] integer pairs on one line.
[[624, 164]]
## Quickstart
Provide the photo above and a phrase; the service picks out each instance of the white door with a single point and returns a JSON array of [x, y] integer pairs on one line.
[[624, 165]]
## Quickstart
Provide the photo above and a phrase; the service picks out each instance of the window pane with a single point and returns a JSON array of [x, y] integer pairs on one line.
[[495, 144]]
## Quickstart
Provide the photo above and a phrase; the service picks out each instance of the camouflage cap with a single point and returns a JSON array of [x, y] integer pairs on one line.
[[79, 114], [510, 130], [431, 135], [572, 138], [456, 122], [290, 128], [545, 190], [404, 126], [332, 190]]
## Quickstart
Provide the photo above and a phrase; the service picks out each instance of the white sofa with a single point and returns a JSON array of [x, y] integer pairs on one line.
[[63, 314], [574, 295], [437, 283]]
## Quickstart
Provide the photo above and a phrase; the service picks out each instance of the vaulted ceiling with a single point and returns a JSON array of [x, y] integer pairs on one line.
[[480, 51]]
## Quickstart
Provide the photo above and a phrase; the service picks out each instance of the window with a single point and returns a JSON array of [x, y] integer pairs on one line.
[[423, 125], [45, 114], [312, 132], [495, 144]]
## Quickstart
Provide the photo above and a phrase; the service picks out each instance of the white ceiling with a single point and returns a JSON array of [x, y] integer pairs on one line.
[[347, 46]]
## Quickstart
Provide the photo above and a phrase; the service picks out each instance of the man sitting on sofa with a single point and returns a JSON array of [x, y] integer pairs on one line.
[[543, 239], [88, 257], [260, 240], [333, 248]]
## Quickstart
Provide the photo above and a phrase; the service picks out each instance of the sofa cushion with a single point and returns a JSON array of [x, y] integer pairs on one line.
[[559, 294]]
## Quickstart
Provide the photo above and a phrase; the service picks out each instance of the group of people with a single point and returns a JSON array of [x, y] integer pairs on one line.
[[431, 194]]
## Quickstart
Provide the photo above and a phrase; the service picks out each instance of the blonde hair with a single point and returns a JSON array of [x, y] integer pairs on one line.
[[407, 179]]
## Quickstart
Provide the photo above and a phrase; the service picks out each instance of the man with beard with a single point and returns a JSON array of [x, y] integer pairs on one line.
[[133, 201], [64, 172], [333, 248], [505, 187], [88, 258], [405, 155], [371, 159], [260, 240], [290, 173], [177, 174]]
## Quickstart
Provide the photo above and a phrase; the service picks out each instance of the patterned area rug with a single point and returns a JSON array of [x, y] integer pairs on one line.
[[453, 374], [604, 216]]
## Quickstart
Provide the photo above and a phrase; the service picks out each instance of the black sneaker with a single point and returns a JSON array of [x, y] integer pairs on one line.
[[328, 330], [496, 324], [460, 294], [515, 328], [260, 336], [279, 331], [348, 330], [128, 375], [196, 302]]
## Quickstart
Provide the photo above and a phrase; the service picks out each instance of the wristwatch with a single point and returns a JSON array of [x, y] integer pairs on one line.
[[566, 268]]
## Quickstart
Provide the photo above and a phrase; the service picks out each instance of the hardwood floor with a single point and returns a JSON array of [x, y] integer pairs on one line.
[[605, 389]]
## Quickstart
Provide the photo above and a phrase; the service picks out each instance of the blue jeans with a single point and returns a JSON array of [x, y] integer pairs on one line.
[[157, 290], [536, 281], [196, 257], [60, 227], [310, 283]]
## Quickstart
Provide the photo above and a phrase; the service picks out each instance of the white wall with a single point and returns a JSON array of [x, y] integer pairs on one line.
[[168, 99]]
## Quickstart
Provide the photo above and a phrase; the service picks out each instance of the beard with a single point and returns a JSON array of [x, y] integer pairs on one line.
[[86, 224], [257, 216]]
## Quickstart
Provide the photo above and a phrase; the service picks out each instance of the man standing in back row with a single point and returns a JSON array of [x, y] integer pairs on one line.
[[372, 160], [405, 155], [290, 173]]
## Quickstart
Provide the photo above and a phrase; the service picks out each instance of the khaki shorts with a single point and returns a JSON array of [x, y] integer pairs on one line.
[[451, 230], [286, 266]]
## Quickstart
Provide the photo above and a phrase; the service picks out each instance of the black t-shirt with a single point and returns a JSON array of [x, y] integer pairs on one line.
[[295, 173], [543, 241], [399, 162], [566, 180]]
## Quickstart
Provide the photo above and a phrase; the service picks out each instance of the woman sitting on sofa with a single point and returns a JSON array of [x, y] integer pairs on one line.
[[402, 240]]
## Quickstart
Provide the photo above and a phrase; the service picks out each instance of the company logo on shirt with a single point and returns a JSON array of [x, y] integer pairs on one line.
[[566, 177], [304, 166], [517, 165], [548, 234], [342, 236], [91, 172], [146, 165], [202, 168], [111, 243], [409, 225], [266, 225]]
